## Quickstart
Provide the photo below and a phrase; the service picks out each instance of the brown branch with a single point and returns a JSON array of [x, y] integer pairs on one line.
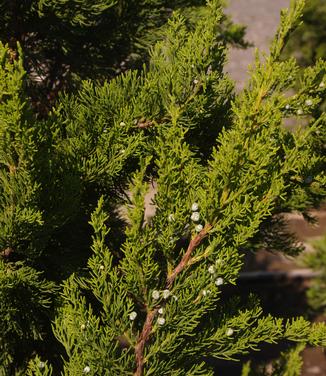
[[145, 123], [6, 253], [141, 342], [194, 243], [147, 328]]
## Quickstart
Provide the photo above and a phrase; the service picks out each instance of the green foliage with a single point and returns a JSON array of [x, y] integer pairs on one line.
[[45, 193], [15, 133], [21, 221], [317, 261], [289, 364], [147, 295], [65, 40], [25, 299], [308, 45], [39, 368], [308, 41], [75, 12], [154, 304]]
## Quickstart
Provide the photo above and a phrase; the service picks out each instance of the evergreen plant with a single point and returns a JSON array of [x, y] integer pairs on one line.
[[157, 303], [307, 43], [149, 296], [65, 41], [317, 261]]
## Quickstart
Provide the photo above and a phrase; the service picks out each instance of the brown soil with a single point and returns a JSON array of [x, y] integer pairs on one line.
[[261, 18]]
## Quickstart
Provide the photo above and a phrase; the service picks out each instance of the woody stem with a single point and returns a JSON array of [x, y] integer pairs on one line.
[[147, 328]]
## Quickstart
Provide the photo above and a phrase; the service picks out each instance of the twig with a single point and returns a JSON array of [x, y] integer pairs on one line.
[[194, 243], [7, 252], [147, 328], [143, 123], [141, 342]]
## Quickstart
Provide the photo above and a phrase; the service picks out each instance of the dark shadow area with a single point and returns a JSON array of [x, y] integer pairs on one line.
[[280, 296]]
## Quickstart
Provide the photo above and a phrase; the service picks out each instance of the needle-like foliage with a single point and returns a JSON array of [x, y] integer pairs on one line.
[[67, 40], [157, 303]]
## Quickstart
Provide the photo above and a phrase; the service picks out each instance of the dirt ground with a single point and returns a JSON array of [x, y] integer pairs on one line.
[[261, 18]]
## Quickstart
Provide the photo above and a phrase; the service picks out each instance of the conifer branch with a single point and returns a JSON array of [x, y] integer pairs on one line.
[[143, 123], [147, 328], [143, 338], [7, 252], [194, 243], [101, 135]]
